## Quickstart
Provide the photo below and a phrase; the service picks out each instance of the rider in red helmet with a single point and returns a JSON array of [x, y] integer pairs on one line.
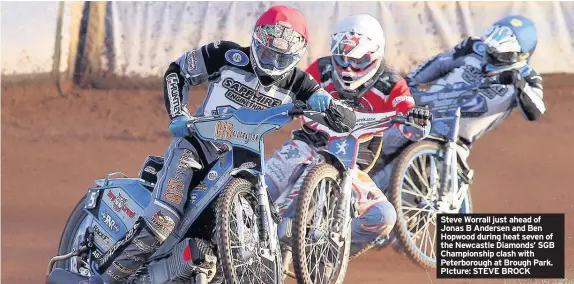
[[258, 77]]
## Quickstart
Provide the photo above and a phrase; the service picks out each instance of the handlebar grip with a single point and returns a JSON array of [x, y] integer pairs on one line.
[[295, 112], [299, 108], [404, 121]]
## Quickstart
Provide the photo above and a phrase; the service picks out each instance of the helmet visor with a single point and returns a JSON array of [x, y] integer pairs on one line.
[[502, 46], [273, 60], [356, 64], [502, 58]]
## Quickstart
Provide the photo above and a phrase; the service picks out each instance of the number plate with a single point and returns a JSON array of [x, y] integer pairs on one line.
[[92, 198]]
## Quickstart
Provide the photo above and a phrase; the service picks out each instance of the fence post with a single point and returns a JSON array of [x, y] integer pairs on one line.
[[90, 43]]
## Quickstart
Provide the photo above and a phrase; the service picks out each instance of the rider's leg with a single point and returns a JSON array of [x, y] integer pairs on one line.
[[284, 168], [160, 218], [377, 215], [394, 143], [382, 177]]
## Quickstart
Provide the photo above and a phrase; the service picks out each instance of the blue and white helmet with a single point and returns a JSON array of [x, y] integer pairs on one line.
[[510, 43]]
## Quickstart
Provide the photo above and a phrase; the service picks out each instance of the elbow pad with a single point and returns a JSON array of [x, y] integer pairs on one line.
[[530, 102]]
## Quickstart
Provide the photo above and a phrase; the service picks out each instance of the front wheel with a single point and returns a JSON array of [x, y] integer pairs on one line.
[[414, 185], [320, 255], [239, 244]]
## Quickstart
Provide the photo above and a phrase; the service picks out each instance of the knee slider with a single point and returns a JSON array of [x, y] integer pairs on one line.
[[380, 218]]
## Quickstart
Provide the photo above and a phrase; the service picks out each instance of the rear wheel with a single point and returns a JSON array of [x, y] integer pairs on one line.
[[239, 243], [320, 255], [73, 234]]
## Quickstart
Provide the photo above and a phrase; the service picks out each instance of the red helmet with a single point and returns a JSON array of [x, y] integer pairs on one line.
[[279, 41]]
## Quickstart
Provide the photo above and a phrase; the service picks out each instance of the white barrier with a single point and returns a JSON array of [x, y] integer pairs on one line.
[[147, 36], [142, 38], [29, 37]]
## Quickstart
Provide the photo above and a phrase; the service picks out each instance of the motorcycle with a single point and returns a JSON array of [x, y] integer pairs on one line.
[[229, 213], [429, 176], [326, 204]]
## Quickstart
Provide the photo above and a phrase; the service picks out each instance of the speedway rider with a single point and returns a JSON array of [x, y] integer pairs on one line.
[[259, 77], [500, 58], [356, 73]]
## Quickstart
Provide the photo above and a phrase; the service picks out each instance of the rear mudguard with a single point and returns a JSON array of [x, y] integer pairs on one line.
[[115, 207]]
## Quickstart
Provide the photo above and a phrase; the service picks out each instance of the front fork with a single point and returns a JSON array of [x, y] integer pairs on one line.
[[449, 174], [343, 214], [267, 226]]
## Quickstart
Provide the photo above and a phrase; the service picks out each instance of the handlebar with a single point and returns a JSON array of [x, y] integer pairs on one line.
[[484, 84], [300, 108], [404, 121], [398, 119]]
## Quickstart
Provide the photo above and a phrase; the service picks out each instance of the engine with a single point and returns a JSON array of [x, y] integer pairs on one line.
[[191, 259]]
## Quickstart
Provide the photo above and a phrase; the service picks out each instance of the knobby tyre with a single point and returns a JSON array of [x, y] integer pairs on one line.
[[73, 233], [304, 264], [415, 200], [239, 262]]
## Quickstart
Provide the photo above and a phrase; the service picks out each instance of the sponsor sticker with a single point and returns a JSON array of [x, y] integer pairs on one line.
[[247, 165], [120, 204], [401, 99], [246, 96], [173, 93], [237, 57], [224, 130], [163, 223], [174, 191], [191, 61], [110, 222], [201, 187], [212, 175]]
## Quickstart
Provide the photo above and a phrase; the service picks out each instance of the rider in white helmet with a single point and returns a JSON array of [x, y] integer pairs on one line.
[[354, 72]]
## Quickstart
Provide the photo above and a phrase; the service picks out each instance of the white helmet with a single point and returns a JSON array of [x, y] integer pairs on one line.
[[357, 50]]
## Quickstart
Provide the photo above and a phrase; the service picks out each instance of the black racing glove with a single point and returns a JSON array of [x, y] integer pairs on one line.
[[340, 117], [511, 77], [420, 116]]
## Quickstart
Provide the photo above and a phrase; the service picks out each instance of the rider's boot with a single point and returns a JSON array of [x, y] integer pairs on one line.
[[359, 249], [124, 258]]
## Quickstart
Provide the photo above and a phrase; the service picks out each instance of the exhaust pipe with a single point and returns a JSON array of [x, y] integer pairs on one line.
[[61, 276]]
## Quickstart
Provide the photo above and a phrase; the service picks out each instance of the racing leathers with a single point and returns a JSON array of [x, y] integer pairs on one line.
[[388, 95], [232, 84], [464, 64]]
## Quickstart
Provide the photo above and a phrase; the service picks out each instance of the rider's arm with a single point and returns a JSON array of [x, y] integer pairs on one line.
[[530, 95], [341, 118], [402, 101], [191, 69], [443, 63]]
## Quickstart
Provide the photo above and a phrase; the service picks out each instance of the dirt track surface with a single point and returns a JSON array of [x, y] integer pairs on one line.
[[53, 148]]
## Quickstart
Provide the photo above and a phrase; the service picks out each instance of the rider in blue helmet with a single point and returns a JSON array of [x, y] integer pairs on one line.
[[501, 58], [510, 43]]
